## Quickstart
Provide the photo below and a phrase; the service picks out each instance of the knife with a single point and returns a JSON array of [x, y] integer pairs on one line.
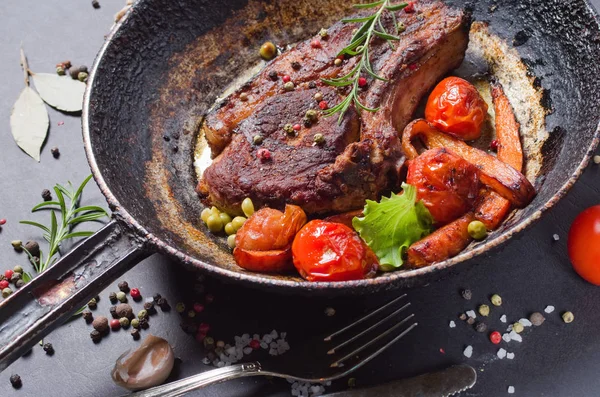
[[447, 382]]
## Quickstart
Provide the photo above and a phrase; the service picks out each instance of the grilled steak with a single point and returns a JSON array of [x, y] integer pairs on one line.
[[357, 159]]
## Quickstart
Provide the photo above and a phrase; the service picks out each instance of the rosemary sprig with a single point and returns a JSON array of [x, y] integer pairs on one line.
[[71, 214], [359, 46]]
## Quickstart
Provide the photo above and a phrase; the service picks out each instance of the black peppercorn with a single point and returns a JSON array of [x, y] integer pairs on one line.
[[312, 84], [135, 333], [74, 72], [175, 149], [144, 323], [113, 312], [19, 283], [175, 135], [296, 65], [87, 316], [92, 304], [149, 307], [466, 294], [48, 348], [166, 138], [480, 327], [55, 152], [470, 321], [164, 305], [96, 336], [46, 195], [15, 381], [156, 297], [273, 75], [306, 121], [95, 4], [123, 286], [33, 248], [16, 277], [112, 297], [100, 324]]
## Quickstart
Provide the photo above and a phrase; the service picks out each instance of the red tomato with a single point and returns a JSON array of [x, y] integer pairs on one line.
[[584, 244], [263, 243], [327, 251], [447, 184], [456, 108]]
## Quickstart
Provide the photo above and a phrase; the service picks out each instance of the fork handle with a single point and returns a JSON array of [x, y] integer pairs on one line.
[[194, 382]]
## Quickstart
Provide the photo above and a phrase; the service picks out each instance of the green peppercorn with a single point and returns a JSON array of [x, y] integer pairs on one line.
[[484, 310], [319, 139], [82, 76], [191, 314], [289, 129], [323, 33], [248, 207], [17, 245], [496, 300], [518, 327], [225, 218], [124, 321], [401, 27], [121, 297], [135, 323], [231, 241], [18, 269], [143, 314], [477, 230], [268, 51], [312, 115], [337, 62], [257, 139], [6, 292], [238, 222], [229, 229], [318, 98], [567, 317], [205, 214], [180, 307], [60, 70], [92, 304], [289, 86], [214, 223]]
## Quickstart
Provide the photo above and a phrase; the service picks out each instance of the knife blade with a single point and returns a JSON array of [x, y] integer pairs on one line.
[[447, 382]]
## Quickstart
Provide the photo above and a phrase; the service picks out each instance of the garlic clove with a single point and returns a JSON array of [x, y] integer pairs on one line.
[[147, 366]]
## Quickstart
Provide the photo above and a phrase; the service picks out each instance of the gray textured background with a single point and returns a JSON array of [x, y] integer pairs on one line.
[[529, 273]]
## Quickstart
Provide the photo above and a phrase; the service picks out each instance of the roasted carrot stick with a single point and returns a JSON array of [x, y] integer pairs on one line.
[[499, 176], [442, 244], [492, 209]]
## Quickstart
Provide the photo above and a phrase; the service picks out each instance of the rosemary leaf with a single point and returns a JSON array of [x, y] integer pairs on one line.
[[369, 5]]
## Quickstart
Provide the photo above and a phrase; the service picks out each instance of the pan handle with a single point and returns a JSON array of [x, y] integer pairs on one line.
[[55, 295]]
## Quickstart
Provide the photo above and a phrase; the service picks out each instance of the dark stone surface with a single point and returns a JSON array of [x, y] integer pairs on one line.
[[529, 273]]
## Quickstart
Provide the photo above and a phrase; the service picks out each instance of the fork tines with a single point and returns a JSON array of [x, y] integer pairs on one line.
[[380, 340]]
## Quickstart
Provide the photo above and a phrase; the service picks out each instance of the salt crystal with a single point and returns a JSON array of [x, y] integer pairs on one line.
[[511, 390], [510, 356], [274, 334], [256, 337], [247, 350], [452, 324], [514, 336], [471, 313], [237, 339], [509, 328], [328, 383], [267, 338], [468, 351], [549, 309], [273, 345], [501, 353], [283, 335], [506, 337], [273, 352], [264, 345], [206, 361], [503, 318], [556, 237], [525, 323], [246, 337], [295, 392], [230, 351], [220, 364]]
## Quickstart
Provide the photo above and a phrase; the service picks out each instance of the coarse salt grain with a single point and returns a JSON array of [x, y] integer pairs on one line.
[[205, 361], [471, 313], [501, 353], [506, 337], [247, 350], [452, 324], [514, 336], [556, 237], [525, 323], [468, 352], [264, 345], [596, 159], [509, 328], [510, 356], [511, 390], [549, 309], [503, 318]]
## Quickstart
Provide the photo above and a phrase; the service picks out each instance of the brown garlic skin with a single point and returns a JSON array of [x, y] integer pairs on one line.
[[147, 366]]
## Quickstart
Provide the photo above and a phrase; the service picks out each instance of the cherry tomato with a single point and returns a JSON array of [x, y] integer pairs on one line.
[[584, 244], [327, 251], [447, 184], [263, 243], [456, 108]]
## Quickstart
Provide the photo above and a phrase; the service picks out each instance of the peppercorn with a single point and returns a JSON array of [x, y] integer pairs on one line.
[[18, 269], [537, 319], [3, 283], [518, 327], [95, 4], [33, 248], [209, 343], [312, 115], [243, 97], [156, 297], [319, 139], [268, 51], [124, 310], [92, 304], [87, 316], [495, 337], [286, 78], [480, 327], [48, 348], [337, 62], [144, 323], [17, 245], [164, 305], [484, 310], [477, 230], [296, 65], [318, 97], [289, 129], [143, 314], [273, 75], [6, 292], [306, 122], [400, 27], [149, 307], [312, 84], [2, 222], [180, 307], [135, 333], [8, 274], [289, 86], [496, 300], [257, 140], [96, 336], [60, 71], [466, 294], [19, 283], [15, 277], [15, 381], [568, 317], [123, 286], [124, 321], [46, 195], [135, 323], [115, 324], [352, 382], [112, 297], [121, 297], [470, 321], [100, 324], [323, 33], [191, 314], [135, 294], [55, 152], [316, 43], [323, 105], [113, 312]]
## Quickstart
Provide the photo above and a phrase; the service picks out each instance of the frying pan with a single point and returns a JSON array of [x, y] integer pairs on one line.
[[161, 69]]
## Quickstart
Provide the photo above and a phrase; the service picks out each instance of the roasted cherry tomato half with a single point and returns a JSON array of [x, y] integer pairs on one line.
[[584, 244], [263, 243], [456, 108], [327, 251], [447, 184]]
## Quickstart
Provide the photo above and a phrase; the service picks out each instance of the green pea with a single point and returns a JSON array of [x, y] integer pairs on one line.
[[205, 214], [477, 230], [248, 206], [225, 218], [214, 223], [229, 229], [238, 222], [231, 241]]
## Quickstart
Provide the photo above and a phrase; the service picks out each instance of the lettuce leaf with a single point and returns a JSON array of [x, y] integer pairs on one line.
[[392, 225]]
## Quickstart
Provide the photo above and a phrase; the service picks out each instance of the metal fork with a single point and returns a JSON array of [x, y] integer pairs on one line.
[[318, 361]]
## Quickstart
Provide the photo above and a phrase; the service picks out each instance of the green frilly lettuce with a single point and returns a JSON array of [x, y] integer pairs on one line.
[[390, 226]]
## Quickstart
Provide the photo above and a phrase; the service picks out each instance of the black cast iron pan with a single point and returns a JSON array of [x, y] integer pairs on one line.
[[161, 69]]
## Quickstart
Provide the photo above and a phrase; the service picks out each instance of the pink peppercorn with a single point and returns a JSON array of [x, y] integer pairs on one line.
[[410, 8], [254, 344], [263, 154], [494, 145], [495, 337], [3, 284], [8, 274], [297, 127], [316, 43], [362, 82], [2, 222], [413, 66], [135, 293], [286, 78], [203, 328], [323, 105], [198, 307], [115, 324]]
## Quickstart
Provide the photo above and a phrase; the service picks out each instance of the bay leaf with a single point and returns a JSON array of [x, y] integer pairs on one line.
[[61, 92], [29, 122]]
